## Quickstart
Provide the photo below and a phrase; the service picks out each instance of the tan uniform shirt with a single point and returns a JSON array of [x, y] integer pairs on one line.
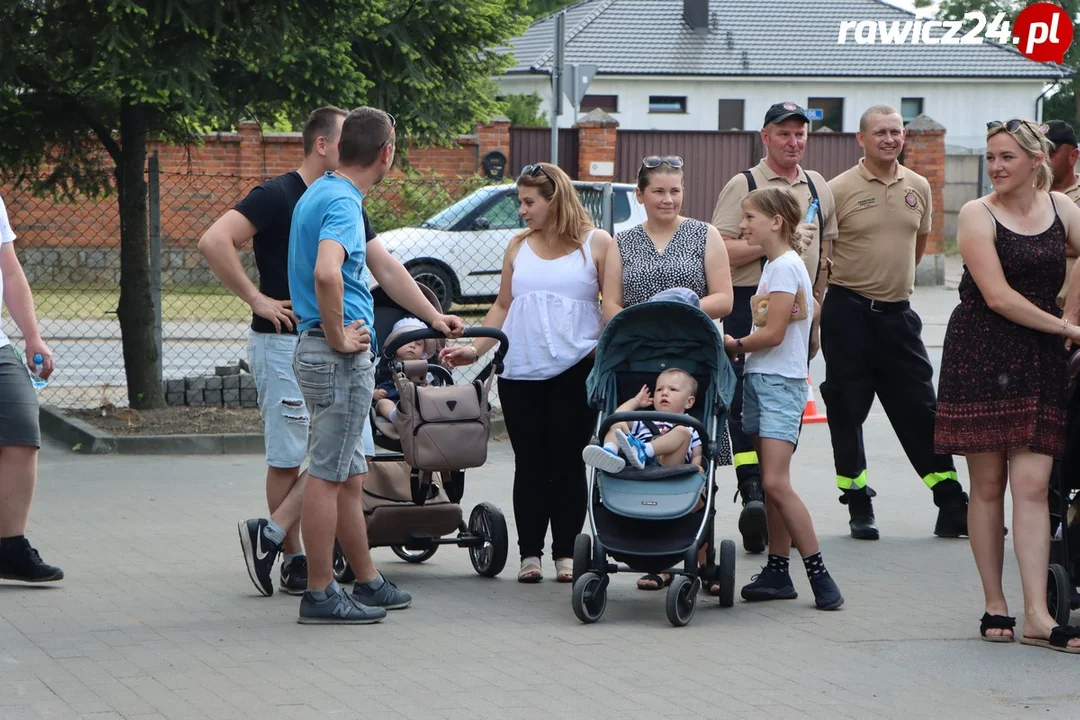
[[874, 252], [728, 214], [1073, 193]]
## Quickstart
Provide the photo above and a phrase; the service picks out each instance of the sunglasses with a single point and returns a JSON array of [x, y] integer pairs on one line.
[[1013, 125], [655, 161], [393, 126], [536, 171]]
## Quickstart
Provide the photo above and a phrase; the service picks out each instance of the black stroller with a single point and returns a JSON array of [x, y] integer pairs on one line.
[[1062, 596], [646, 519], [414, 516]]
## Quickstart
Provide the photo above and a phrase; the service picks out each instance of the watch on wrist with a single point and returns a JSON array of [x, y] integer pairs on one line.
[[738, 342]]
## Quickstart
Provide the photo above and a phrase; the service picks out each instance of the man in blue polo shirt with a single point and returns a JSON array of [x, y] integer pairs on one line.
[[329, 256]]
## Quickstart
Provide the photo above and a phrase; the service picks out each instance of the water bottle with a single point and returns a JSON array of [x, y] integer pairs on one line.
[[811, 212], [35, 379]]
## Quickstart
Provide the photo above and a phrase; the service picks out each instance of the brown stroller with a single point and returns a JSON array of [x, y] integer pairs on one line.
[[413, 490]]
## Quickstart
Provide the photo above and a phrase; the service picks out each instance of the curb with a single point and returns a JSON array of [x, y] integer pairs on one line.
[[87, 439]]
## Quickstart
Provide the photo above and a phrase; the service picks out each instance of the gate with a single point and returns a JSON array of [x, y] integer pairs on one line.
[[530, 145]]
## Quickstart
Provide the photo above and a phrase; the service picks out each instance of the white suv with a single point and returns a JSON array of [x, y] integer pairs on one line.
[[458, 251]]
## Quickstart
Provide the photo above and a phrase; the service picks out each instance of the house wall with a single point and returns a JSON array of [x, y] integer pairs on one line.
[[962, 106]]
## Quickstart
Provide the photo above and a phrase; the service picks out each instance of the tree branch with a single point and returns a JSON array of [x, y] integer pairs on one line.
[[71, 102]]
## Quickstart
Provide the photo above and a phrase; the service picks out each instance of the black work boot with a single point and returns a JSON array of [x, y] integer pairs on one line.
[[952, 503], [861, 509], [20, 561], [752, 522]]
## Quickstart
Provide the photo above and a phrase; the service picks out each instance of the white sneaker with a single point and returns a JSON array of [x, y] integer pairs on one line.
[[602, 459]]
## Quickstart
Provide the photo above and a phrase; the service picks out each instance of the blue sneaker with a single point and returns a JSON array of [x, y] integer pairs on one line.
[[632, 448], [603, 458]]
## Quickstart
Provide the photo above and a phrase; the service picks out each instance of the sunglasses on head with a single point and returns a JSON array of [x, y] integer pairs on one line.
[[655, 161], [536, 171], [393, 125], [1013, 125]]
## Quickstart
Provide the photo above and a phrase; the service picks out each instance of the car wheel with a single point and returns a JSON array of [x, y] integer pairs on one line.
[[439, 280]]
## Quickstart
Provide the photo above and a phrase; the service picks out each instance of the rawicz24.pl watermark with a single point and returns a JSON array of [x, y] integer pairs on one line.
[[1042, 32]]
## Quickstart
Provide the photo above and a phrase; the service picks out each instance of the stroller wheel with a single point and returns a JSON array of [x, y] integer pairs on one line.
[[343, 572], [725, 573], [582, 551], [682, 599], [487, 522], [589, 598], [1059, 594], [413, 556]]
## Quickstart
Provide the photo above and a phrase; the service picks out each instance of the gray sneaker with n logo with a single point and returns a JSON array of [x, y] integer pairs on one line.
[[336, 608]]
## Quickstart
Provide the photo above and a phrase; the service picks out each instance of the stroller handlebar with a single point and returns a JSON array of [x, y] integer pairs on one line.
[[654, 416], [473, 332]]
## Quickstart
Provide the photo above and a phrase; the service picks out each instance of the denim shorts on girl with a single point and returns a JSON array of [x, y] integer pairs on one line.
[[773, 406]]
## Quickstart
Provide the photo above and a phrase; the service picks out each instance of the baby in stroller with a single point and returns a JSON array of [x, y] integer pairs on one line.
[[386, 395], [647, 443]]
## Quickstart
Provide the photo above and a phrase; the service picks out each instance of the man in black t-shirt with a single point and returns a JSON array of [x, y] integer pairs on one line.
[[264, 218]]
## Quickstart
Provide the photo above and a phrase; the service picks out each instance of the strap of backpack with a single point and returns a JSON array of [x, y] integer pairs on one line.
[[820, 225], [420, 485]]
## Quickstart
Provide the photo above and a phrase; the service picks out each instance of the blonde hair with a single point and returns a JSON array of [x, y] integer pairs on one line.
[[679, 371], [773, 201], [567, 217], [1032, 140]]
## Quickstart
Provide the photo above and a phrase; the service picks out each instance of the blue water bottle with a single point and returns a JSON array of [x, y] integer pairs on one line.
[[811, 212], [34, 378]]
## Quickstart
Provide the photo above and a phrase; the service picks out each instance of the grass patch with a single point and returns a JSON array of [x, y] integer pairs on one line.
[[950, 248], [207, 303], [100, 304]]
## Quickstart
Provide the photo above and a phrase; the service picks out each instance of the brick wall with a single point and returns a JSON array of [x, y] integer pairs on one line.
[[200, 183], [924, 152], [597, 137]]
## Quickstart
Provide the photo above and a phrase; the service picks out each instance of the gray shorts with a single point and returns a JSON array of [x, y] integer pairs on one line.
[[337, 390], [19, 405]]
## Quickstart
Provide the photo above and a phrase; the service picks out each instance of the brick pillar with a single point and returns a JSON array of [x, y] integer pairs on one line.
[[924, 152], [251, 150], [494, 135], [597, 135]]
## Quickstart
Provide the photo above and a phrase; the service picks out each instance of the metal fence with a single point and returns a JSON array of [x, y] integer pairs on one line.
[[712, 158], [450, 233]]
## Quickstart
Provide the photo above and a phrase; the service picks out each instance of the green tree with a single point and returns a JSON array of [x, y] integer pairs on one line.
[[540, 8], [524, 110], [84, 84], [1065, 104]]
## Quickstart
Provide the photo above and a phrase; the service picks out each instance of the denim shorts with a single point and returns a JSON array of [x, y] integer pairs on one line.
[[773, 406], [19, 405], [337, 390]]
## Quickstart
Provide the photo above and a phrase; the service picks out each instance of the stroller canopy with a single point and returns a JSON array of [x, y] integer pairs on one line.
[[643, 336]]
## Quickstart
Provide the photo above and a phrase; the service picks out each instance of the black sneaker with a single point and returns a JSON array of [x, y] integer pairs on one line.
[[752, 522], [826, 593], [294, 576], [389, 596], [19, 561], [952, 517], [861, 510], [259, 553], [769, 585]]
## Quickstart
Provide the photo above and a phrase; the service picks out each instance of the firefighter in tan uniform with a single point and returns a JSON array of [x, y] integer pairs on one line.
[[870, 336], [784, 138], [1063, 162]]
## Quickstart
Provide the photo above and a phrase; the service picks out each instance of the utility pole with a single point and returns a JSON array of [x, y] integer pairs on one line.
[[557, 61]]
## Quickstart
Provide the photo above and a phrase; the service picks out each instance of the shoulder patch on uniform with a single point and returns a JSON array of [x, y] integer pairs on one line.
[[911, 199]]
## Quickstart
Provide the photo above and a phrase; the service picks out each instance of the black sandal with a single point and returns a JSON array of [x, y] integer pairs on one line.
[[997, 622], [661, 583], [1059, 639]]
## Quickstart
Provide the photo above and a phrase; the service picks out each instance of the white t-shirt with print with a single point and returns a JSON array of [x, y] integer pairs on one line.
[[6, 235], [790, 358]]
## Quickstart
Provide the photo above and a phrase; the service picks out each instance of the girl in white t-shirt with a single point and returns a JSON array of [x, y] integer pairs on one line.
[[774, 391]]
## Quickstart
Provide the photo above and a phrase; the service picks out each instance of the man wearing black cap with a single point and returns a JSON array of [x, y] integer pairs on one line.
[[784, 138], [1063, 158]]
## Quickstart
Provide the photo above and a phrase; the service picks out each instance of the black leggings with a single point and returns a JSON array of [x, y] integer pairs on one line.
[[549, 422]]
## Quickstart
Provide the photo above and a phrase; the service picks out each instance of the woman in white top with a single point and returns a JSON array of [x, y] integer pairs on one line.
[[549, 308], [774, 391]]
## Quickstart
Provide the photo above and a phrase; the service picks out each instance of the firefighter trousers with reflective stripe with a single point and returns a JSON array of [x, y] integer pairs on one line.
[[737, 325], [870, 353]]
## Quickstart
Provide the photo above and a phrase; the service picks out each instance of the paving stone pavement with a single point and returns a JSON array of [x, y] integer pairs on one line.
[[158, 619]]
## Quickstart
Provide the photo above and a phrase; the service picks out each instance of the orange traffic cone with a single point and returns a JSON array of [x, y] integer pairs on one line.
[[810, 414]]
